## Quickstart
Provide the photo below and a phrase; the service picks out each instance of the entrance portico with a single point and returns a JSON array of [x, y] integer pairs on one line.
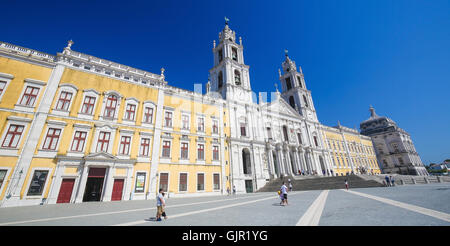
[[94, 176]]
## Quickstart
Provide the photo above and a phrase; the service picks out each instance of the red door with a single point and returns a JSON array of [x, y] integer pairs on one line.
[[117, 190], [65, 192]]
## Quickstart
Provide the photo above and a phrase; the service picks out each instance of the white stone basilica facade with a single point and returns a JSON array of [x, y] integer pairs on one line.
[[268, 139]]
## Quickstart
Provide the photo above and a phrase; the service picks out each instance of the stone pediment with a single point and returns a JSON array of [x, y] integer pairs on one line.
[[280, 106], [100, 156]]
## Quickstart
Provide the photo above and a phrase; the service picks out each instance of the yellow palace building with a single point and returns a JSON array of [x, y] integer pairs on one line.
[[349, 151], [78, 128]]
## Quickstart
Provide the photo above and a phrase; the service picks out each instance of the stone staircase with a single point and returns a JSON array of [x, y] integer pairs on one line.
[[323, 183]]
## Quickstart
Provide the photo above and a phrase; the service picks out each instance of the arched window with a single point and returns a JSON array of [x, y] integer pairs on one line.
[[237, 77], [299, 81], [110, 108], [234, 55], [275, 163], [292, 102], [305, 100], [246, 161], [285, 133], [220, 79], [288, 83]]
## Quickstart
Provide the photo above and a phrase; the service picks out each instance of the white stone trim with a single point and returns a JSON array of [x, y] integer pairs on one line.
[[4, 77], [65, 88]]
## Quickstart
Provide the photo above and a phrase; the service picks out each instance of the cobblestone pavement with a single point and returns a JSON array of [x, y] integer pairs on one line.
[[409, 205]]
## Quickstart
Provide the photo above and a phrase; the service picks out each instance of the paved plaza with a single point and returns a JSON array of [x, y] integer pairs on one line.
[[408, 205]]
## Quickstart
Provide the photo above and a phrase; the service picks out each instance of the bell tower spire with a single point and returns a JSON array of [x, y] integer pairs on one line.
[[294, 89], [229, 75]]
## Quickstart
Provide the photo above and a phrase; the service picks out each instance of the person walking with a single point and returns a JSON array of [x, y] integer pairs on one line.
[[234, 190], [284, 193], [160, 206], [346, 184], [290, 186], [388, 182], [392, 181]]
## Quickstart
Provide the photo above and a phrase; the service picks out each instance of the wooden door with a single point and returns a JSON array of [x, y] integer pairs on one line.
[[65, 192], [117, 190]]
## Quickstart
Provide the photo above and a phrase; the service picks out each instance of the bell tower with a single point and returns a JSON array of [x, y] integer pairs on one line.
[[229, 75], [294, 89]]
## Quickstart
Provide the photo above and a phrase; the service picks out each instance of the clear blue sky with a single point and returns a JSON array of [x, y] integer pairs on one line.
[[394, 55]]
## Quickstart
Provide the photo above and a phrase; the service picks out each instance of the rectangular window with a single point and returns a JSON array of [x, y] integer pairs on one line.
[[184, 150], [269, 133], [216, 179], [201, 125], [220, 55], [216, 153], [13, 136], [88, 105], [2, 87], [140, 183], [243, 133], [200, 181], [124, 148], [315, 141], [148, 115], [168, 119], [29, 96], [201, 152], [78, 141], [164, 181], [130, 112], [185, 121], [64, 101], [299, 136], [234, 54], [215, 127], [103, 141], [183, 182], [37, 183], [166, 149], [110, 108], [145, 147], [2, 177], [51, 140]]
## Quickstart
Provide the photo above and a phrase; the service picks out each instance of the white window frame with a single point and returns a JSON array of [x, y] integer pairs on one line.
[[212, 151], [125, 133], [65, 88], [4, 77], [14, 120], [26, 196], [55, 125], [33, 83], [213, 119], [141, 158], [162, 149], [130, 101], [189, 122], [103, 128], [187, 182], [148, 104], [182, 160], [220, 181], [80, 128], [117, 108], [203, 131], [91, 93], [168, 179], [204, 182], [171, 110]]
